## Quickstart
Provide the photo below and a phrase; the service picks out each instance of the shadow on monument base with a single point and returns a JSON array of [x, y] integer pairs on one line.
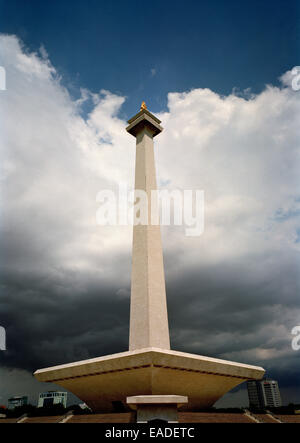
[[104, 383]]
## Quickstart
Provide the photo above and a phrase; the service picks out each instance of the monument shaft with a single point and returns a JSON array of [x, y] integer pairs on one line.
[[148, 307]]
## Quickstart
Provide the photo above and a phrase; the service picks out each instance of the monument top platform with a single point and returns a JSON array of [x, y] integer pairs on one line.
[[143, 119]]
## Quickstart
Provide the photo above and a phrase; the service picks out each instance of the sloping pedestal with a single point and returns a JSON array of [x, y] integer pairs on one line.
[[101, 381]]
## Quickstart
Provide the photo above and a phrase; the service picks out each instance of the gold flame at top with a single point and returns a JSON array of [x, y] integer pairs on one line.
[[143, 106]]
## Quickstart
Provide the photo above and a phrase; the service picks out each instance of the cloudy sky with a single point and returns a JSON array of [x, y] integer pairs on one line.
[[219, 76]]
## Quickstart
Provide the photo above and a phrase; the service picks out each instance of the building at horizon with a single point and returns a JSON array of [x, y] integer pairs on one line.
[[264, 393], [17, 401], [51, 398]]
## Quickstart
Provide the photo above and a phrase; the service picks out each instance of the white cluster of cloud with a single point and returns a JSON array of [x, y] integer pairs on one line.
[[233, 291]]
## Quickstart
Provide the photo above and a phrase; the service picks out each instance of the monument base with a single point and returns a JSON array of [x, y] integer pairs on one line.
[[104, 383], [156, 407]]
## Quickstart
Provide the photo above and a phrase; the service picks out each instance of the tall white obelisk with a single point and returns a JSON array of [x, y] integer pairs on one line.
[[149, 368], [148, 307]]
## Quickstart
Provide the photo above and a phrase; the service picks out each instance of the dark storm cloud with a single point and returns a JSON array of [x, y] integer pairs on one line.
[[46, 327], [50, 329], [210, 313]]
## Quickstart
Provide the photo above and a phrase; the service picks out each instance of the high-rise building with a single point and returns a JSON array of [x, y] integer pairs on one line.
[[264, 393], [17, 401], [51, 398]]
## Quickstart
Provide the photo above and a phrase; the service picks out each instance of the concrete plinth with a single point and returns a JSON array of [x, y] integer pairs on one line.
[[103, 381], [156, 407]]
